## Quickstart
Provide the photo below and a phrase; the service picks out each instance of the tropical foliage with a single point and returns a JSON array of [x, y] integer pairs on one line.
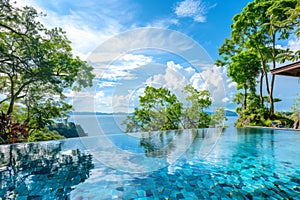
[[161, 110], [11, 132], [43, 135], [36, 68], [254, 48]]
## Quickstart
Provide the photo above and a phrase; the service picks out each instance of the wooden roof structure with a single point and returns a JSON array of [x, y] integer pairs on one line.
[[292, 69]]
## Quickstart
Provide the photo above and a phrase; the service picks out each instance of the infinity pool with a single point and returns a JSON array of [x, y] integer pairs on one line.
[[236, 164]]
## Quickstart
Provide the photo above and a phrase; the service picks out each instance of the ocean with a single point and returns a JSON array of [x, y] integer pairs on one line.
[[113, 128], [113, 124]]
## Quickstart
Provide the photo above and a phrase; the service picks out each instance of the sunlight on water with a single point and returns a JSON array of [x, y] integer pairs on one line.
[[243, 163]]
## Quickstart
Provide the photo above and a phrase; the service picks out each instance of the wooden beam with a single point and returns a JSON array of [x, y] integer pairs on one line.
[[292, 69]]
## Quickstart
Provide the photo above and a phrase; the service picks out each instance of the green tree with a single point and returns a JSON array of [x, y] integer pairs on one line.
[[218, 118], [44, 135], [194, 115], [161, 110], [255, 114], [257, 29], [292, 21], [37, 65], [244, 69], [238, 99]]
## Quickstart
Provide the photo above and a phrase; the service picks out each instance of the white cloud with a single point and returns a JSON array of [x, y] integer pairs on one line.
[[232, 85], [102, 102], [105, 83], [127, 103], [164, 23], [117, 103], [121, 103], [294, 44], [174, 78], [99, 94], [69, 93], [154, 38], [225, 99], [210, 80], [84, 38], [81, 26], [122, 67], [132, 61], [195, 9]]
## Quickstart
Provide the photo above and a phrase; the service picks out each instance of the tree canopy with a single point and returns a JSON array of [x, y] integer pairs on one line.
[[254, 46], [161, 110], [37, 66]]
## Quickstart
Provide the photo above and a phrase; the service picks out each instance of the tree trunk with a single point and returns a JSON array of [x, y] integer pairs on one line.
[[264, 69], [270, 93], [245, 97], [296, 125], [272, 110], [11, 104], [261, 90], [12, 98]]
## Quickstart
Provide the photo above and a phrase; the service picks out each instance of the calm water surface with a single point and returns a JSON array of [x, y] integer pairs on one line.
[[238, 164]]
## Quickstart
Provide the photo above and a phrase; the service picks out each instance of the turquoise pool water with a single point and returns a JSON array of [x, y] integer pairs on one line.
[[243, 164]]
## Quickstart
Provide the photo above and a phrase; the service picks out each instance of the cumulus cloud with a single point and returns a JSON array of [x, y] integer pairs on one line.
[[176, 77], [212, 81], [99, 94], [194, 9], [81, 26], [84, 38], [294, 44], [103, 103], [231, 85], [122, 67], [117, 103]]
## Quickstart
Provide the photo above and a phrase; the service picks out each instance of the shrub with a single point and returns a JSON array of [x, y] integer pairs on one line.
[[11, 132], [45, 134]]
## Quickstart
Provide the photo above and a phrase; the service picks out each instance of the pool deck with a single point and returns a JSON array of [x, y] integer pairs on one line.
[[273, 128]]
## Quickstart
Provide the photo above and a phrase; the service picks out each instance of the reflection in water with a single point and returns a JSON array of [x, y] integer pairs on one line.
[[262, 140], [36, 170], [163, 143], [243, 164], [173, 144], [240, 166]]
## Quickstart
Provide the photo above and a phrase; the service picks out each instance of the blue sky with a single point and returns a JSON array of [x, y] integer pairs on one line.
[[88, 24]]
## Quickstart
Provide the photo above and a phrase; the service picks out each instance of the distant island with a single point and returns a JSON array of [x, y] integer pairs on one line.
[[227, 112], [98, 113], [230, 113]]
